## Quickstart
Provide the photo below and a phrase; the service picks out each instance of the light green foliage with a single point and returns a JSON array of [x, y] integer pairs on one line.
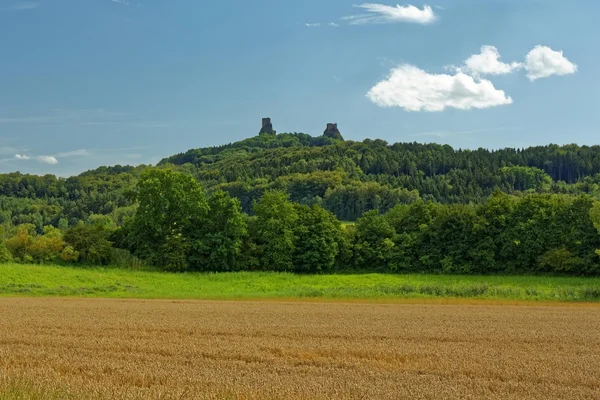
[[526, 178], [47, 247], [27, 246], [21, 242], [69, 254], [104, 221], [122, 258], [5, 255]]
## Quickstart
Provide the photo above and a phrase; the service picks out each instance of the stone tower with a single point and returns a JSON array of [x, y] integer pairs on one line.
[[333, 132], [267, 127]]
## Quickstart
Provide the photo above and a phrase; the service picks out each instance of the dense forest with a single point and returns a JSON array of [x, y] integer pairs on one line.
[[275, 202]]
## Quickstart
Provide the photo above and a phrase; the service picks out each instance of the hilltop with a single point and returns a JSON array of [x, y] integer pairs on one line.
[[346, 177]]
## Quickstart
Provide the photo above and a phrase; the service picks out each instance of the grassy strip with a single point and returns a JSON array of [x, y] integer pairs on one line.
[[32, 280]]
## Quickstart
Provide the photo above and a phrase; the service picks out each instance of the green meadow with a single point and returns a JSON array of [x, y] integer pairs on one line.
[[50, 280]]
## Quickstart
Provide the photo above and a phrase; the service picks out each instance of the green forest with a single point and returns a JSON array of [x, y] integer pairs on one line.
[[275, 202]]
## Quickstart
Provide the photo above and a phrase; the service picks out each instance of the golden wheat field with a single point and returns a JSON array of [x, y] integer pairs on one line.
[[116, 349]]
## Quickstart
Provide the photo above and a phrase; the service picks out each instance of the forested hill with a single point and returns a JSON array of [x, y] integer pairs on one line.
[[348, 178], [568, 163]]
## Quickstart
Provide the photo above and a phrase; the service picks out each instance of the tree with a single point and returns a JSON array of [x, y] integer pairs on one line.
[[48, 247], [219, 245], [595, 215], [91, 244], [169, 220], [318, 236], [276, 217], [374, 242], [20, 244]]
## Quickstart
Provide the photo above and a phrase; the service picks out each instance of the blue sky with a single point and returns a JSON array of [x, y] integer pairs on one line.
[[85, 83]]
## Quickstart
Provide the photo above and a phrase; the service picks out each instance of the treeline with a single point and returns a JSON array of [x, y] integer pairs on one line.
[[178, 227], [344, 177]]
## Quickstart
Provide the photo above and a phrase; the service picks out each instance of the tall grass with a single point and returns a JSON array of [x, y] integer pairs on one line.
[[135, 282]]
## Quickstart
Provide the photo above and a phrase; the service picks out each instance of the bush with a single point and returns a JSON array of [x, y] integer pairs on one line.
[[5, 255], [69, 254], [19, 245], [91, 243], [124, 259]]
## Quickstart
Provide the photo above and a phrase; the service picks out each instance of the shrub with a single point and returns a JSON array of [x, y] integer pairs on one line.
[[91, 243]]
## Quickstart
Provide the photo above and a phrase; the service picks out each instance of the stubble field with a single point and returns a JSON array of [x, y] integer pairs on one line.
[[155, 349]]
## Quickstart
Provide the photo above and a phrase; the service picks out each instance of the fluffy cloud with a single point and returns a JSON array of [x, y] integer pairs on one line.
[[488, 62], [413, 89], [380, 13], [53, 159], [47, 160], [542, 62]]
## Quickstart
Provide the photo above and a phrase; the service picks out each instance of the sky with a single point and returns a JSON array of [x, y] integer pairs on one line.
[[85, 83]]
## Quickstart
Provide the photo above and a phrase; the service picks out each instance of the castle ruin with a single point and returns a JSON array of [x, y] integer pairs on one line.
[[333, 132], [267, 127]]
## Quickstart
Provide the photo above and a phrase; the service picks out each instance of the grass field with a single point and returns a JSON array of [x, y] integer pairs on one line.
[[34, 281], [158, 349]]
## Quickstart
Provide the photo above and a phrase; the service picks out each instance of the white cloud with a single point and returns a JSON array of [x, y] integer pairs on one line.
[[413, 89], [124, 2], [542, 62], [47, 160], [487, 62], [53, 160], [74, 153], [318, 24], [380, 13]]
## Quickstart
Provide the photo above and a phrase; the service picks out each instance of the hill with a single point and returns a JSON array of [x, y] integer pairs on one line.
[[346, 177], [269, 203]]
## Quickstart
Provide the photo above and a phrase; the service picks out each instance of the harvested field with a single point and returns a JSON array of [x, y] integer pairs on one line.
[[108, 349]]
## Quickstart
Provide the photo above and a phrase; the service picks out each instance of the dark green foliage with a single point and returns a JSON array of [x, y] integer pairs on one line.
[[169, 220], [268, 203], [347, 178], [318, 235], [538, 233], [220, 243], [276, 219], [91, 243], [374, 245]]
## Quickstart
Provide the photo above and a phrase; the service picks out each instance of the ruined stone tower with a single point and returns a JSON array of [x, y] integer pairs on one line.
[[333, 132], [267, 127]]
